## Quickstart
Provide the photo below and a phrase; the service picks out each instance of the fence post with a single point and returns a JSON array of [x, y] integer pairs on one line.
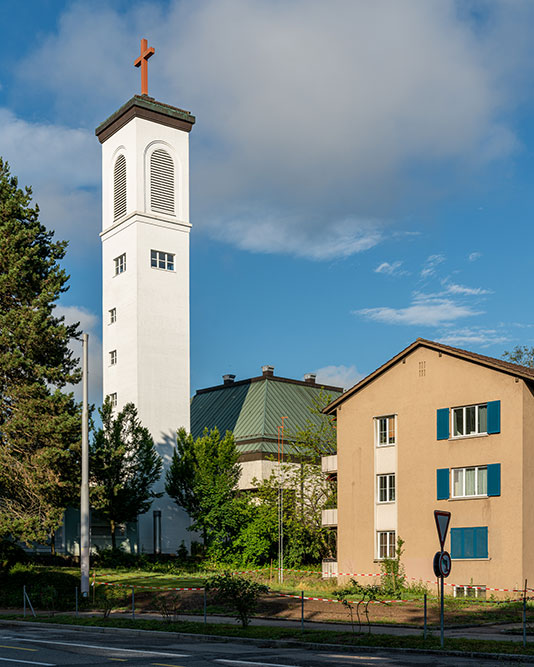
[[205, 607], [76, 596], [525, 615], [94, 585], [302, 611], [24, 599], [133, 603]]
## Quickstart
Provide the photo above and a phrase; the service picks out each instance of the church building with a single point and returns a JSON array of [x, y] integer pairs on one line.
[[145, 276]]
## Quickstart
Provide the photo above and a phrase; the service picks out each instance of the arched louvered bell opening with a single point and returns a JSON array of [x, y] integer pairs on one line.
[[119, 187], [161, 182]]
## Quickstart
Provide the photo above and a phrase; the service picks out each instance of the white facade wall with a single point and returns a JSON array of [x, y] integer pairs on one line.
[[151, 332]]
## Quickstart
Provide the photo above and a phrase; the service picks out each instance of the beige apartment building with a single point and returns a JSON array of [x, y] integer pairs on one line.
[[438, 428]]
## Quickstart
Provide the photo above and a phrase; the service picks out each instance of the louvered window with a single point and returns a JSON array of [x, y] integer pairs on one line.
[[119, 187], [161, 182]]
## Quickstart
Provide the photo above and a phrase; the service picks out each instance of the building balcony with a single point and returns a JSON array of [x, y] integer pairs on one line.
[[329, 463], [329, 517]]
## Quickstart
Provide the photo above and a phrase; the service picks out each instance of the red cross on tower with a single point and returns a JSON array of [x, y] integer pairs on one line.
[[142, 62]]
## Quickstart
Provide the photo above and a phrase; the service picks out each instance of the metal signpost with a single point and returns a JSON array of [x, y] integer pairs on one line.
[[442, 560]]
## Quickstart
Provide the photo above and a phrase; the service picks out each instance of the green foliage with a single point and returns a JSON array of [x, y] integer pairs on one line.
[[243, 594], [10, 553], [108, 598], [521, 354], [48, 588], [201, 479], [124, 466], [393, 574], [318, 437], [39, 423]]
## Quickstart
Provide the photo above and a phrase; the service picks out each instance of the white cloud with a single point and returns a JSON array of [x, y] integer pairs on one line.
[[430, 312], [338, 376], [61, 165], [392, 269], [430, 265], [474, 256], [453, 288], [474, 336], [299, 120], [89, 323]]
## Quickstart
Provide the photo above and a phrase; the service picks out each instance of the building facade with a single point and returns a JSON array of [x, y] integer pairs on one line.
[[438, 428], [145, 277], [253, 410]]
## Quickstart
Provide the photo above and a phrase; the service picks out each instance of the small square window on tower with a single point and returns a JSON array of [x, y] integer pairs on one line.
[[120, 264], [113, 357], [112, 315], [162, 260], [113, 399]]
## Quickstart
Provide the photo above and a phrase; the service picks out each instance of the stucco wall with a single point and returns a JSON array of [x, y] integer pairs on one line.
[[447, 382]]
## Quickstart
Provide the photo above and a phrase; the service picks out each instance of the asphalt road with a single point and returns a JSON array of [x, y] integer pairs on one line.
[[47, 647]]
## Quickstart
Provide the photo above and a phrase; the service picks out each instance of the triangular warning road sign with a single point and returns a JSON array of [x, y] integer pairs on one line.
[[442, 524]]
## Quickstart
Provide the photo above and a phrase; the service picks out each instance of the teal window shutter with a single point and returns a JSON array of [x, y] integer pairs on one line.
[[481, 542], [442, 481], [443, 423], [494, 417], [469, 542], [494, 479]]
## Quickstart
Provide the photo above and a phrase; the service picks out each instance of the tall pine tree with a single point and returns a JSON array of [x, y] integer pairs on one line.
[[39, 423]]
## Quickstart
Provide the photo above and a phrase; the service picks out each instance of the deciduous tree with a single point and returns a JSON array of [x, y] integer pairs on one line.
[[124, 467]]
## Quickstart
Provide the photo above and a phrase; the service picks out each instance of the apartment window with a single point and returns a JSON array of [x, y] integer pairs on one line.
[[113, 399], [120, 264], [386, 544], [113, 316], [470, 420], [161, 260], [470, 591], [386, 488], [469, 542], [469, 482], [113, 357], [385, 430]]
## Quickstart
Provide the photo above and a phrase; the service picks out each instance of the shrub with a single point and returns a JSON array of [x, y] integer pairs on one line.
[[393, 575], [243, 594], [10, 553]]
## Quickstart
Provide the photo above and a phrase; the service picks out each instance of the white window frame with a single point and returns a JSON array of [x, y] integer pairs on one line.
[[120, 264], [113, 399], [112, 315], [479, 591], [377, 430], [391, 542], [463, 470], [390, 488], [113, 358], [464, 408], [162, 257]]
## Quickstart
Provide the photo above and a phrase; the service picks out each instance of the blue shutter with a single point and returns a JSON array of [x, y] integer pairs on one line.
[[494, 479], [442, 482], [469, 542], [457, 547], [443, 423], [494, 417], [481, 542]]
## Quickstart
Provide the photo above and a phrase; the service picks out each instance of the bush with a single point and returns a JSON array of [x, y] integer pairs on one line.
[[10, 553], [39, 582], [243, 594]]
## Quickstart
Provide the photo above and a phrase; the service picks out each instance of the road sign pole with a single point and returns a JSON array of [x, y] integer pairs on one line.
[[442, 613]]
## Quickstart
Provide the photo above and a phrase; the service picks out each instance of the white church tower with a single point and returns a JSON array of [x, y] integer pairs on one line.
[[145, 276]]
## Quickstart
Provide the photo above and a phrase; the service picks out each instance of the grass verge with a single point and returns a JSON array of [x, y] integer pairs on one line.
[[316, 636]]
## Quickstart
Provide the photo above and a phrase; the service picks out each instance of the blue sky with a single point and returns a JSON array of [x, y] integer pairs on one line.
[[361, 173]]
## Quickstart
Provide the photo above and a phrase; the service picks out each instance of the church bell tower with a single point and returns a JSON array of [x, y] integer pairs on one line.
[[145, 277]]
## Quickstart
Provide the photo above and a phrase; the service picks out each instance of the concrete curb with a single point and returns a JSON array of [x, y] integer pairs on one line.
[[272, 643]]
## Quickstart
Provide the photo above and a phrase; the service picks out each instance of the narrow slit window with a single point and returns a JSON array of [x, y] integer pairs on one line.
[[162, 182], [119, 187]]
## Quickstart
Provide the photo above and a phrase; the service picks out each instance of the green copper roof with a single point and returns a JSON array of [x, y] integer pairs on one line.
[[253, 410]]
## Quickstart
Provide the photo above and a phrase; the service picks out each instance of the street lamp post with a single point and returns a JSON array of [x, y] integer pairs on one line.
[[84, 494]]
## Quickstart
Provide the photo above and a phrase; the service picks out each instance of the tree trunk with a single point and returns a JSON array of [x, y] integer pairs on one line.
[[53, 543], [113, 539]]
